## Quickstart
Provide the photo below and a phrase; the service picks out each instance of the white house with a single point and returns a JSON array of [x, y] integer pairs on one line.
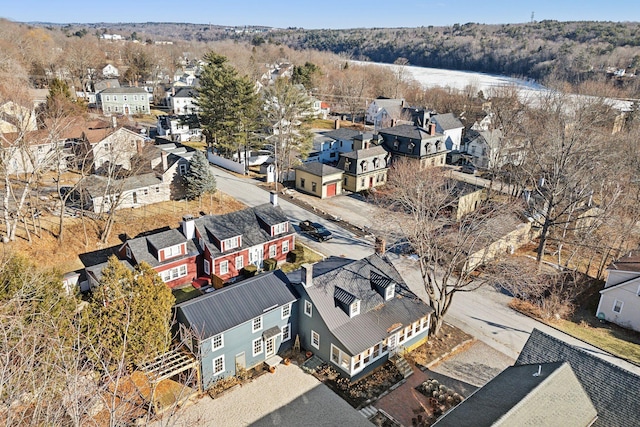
[[184, 101], [382, 111], [110, 71], [620, 298], [451, 127]]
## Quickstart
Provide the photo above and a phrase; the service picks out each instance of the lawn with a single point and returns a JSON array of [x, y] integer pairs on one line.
[[309, 256], [185, 294]]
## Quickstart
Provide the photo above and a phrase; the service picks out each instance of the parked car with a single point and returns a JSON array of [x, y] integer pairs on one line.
[[315, 230], [468, 168]]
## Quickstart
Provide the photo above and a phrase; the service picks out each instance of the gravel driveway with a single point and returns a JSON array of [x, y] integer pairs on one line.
[[289, 397]]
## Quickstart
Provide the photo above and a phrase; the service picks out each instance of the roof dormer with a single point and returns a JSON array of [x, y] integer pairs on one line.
[[383, 285], [231, 243], [348, 302]]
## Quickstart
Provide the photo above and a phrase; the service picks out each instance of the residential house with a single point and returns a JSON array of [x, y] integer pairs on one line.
[[184, 127], [212, 247], [451, 127], [110, 71], [15, 117], [487, 149], [184, 101], [413, 142], [364, 169], [620, 298], [546, 394], [383, 111], [115, 149], [235, 240], [612, 387], [240, 326], [123, 100], [318, 179], [356, 314], [43, 154], [330, 144], [468, 197]]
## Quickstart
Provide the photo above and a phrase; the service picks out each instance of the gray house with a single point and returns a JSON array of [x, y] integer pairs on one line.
[[413, 142], [123, 100], [239, 326], [364, 169], [356, 314]]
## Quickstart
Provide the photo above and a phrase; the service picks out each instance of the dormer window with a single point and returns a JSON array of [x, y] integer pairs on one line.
[[354, 308], [232, 243], [411, 146], [364, 165], [347, 165], [128, 250], [279, 228], [376, 162], [389, 292], [172, 251], [396, 143]]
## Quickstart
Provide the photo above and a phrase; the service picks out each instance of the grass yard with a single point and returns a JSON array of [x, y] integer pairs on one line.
[[185, 294], [309, 256]]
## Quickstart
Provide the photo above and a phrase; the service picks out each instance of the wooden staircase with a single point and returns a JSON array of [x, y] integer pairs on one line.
[[402, 365]]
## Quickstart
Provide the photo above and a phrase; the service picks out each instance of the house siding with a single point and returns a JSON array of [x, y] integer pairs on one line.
[[627, 295], [321, 183], [231, 259], [240, 339], [192, 271]]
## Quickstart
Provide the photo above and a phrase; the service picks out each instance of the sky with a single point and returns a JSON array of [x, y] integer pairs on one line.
[[319, 14]]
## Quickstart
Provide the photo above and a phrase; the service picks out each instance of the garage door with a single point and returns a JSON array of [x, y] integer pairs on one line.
[[331, 189]]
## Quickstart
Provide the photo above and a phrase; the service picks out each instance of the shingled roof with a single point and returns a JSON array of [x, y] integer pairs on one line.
[[340, 277], [318, 169], [447, 121], [612, 389], [528, 395], [236, 304]]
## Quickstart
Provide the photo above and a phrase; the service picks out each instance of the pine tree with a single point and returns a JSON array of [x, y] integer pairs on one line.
[[199, 179]]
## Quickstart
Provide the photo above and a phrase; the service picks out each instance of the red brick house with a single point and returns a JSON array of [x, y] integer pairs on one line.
[[220, 245]]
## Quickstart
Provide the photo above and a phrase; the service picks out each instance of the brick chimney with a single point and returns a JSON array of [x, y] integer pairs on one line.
[[380, 246], [432, 129], [165, 160], [336, 124]]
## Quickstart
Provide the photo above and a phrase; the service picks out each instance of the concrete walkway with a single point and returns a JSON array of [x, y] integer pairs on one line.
[[289, 397]]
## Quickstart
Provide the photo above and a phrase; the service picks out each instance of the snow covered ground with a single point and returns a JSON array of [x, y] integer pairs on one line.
[[434, 77]]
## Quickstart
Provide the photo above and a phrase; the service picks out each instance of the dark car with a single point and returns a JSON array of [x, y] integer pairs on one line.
[[315, 230], [468, 168]]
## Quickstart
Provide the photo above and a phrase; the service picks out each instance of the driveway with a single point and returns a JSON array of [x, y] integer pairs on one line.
[[289, 397]]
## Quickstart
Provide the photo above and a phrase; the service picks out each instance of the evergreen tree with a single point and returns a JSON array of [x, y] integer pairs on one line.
[[128, 320], [305, 74], [199, 179]]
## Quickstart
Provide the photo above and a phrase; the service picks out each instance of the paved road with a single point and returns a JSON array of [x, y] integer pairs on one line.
[[344, 243]]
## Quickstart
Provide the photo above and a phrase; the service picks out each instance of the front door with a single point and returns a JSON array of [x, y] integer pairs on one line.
[[392, 342], [270, 347], [256, 255]]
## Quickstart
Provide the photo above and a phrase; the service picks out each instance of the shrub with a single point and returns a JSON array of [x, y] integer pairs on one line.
[[270, 264], [296, 255], [249, 270]]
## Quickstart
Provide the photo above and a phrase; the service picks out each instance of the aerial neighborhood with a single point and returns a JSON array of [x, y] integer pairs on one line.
[[190, 224]]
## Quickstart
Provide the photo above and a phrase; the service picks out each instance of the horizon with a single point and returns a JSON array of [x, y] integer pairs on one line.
[[330, 15]]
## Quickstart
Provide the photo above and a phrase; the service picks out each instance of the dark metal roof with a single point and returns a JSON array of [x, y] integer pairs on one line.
[[343, 296], [542, 395], [376, 316], [234, 305], [612, 389], [366, 153], [342, 133]]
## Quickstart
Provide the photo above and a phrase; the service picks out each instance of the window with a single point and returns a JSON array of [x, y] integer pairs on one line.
[[256, 324], [617, 306], [124, 97], [273, 251], [286, 332], [389, 292], [280, 228], [335, 354], [172, 251], [285, 246], [345, 180], [364, 165], [207, 267], [301, 182], [174, 273], [286, 311], [257, 346], [182, 169], [128, 252], [308, 308], [239, 262], [135, 98], [232, 243], [217, 342], [314, 186], [355, 308], [157, 188], [115, 98], [106, 98], [224, 267], [424, 323], [315, 339], [218, 365]]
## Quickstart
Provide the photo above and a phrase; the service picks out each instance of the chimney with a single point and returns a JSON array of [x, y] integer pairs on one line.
[[165, 160], [273, 198], [307, 275], [336, 124], [393, 122], [188, 226], [114, 122], [403, 103], [139, 146], [381, 245], [432, 129]]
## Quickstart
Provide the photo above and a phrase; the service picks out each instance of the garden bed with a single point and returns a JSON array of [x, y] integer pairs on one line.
[[359, 392]]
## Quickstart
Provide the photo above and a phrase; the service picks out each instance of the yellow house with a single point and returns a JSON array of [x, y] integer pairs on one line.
[[319, 180], [364, 169]]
